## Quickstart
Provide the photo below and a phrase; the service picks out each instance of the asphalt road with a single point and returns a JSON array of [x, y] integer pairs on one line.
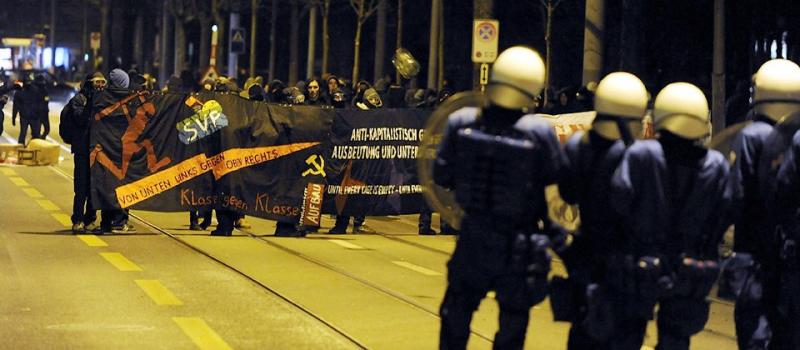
[[165, 286]]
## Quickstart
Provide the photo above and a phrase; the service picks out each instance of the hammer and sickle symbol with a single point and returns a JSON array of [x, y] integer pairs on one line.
[[317, 168]]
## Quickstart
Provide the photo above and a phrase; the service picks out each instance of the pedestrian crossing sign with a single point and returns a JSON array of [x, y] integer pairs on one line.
[[237, 40]]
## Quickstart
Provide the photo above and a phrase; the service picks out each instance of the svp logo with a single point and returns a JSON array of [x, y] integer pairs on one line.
[[206, 120]]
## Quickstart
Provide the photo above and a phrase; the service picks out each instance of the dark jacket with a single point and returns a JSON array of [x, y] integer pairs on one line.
[[31, 102], [81, 113]]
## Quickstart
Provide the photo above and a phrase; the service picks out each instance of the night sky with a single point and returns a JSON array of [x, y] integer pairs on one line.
[[661, 41]]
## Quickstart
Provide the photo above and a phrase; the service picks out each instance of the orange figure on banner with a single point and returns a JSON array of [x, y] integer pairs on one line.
[[130, 139]]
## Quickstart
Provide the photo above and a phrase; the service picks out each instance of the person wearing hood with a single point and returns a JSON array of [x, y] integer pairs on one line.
[[370, 100], [4, 89], [79, 111], [361, 88], [174, 85], [334, 96], [31, 104], [275, 92]]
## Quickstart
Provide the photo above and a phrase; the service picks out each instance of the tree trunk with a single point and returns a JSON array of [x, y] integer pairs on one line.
[[380, 40], [312, 40], [273, 47], [253, 32], [180, 47], [397, 77], [326, 38], [548, 50], [105, 41], [440, 78], [294, 43], [222, 37], [205, 43], [357, 53], [138, 41], [164, 60], [433, 44]]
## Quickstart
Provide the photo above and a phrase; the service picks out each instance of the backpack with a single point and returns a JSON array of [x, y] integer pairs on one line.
[[67, 128]]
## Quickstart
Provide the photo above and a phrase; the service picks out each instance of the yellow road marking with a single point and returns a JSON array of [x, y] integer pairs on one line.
[[8, 172], [32, 192], [202, 335], [346, 244], [47, 205], [64, 219], [416, 268], [120, 262], [160, 294], [19, 181], [92, 241]]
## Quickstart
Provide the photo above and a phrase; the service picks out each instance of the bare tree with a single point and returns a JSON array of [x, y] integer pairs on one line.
[[550, 7], [380, 40], [363, 12], [253, 34], [273, 46], [205, 17], [182, 11], [326, 37], [218, 9], [313, 8], [397, 76]]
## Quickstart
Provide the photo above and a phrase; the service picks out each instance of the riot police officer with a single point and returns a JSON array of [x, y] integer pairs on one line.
[[672, 193], [787, 204], [585, 180], [776, 95], [498, 160]]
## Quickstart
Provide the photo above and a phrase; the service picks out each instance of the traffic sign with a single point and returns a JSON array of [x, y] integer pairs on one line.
[[94, 41], [484, 73], [237, 40], [485, 34]]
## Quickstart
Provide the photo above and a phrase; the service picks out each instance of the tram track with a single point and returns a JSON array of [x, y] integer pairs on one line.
[[235, 270], [374, 286]]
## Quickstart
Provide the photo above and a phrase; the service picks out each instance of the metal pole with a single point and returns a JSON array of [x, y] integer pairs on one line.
[[434, 44], [718, 76], [52, 35], [233, 58], [482, 9]]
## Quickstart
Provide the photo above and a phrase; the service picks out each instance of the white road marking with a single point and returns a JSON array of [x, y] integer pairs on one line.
[[345, 244], [416, 268]]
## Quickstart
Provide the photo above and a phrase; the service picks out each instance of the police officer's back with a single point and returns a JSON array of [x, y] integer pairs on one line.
[[498, 161], [757, 151], [585, 180]]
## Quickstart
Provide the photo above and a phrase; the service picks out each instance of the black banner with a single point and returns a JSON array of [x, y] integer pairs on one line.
[[172, 152]]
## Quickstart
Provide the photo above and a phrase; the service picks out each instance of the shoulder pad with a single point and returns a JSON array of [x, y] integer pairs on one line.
[[463, 116], [532, 124]]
